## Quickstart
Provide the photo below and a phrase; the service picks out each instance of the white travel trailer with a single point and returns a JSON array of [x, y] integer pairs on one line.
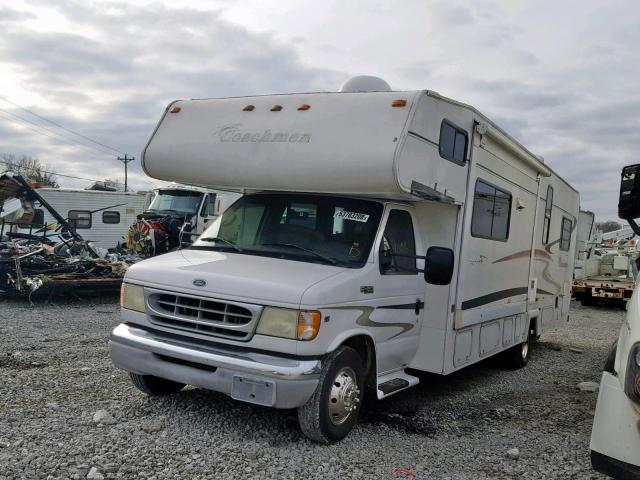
[[307, 289], [100, 217]]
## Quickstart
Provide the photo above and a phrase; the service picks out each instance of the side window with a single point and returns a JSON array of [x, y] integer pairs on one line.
[[209, 207], [548, 206], [399, 238], [79, 218], [491, 212], [565, 234], [453, 142], [110, 216]]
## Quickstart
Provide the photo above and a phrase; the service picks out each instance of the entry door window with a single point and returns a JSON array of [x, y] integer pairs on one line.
[[399, 239]]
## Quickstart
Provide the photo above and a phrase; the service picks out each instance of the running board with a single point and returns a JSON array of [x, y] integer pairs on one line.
[[394, 383]]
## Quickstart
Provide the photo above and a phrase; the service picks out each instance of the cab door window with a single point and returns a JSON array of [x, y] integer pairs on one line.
[[209, 206], [398, 238]]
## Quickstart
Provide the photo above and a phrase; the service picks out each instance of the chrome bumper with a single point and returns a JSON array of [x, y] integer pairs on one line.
[[292, 381]]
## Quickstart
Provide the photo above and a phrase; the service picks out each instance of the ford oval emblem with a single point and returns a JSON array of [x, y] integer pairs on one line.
[[198, 282]]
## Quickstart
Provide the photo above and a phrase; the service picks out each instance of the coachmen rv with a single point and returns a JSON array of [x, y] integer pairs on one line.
[[382, 233]]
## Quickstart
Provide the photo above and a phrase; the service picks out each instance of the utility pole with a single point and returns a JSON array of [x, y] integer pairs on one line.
[[126, 160]]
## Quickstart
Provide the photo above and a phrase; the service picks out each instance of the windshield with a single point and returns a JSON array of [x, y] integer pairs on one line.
[[176, 201], [311, 228]]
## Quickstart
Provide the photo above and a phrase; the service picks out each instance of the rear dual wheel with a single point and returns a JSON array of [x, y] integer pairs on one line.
[[518, 356]]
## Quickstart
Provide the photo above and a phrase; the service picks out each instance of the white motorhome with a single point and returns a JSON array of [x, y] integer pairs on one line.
[[307, 289], [615, 437], [100, 217]]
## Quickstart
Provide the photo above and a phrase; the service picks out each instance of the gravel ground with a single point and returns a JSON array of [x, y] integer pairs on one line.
[[55, 375]]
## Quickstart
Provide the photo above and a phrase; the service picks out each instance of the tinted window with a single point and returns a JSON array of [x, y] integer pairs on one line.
[[548, 207], [110, 217], [80, 218], [453, 142], [309, 228], [491, 212], [399, 238], [565, 234]]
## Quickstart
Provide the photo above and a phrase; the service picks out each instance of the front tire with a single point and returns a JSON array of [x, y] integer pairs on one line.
[[155, 386], [332, 411]]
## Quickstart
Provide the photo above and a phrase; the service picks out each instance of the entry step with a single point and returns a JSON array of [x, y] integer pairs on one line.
[[395, 382]]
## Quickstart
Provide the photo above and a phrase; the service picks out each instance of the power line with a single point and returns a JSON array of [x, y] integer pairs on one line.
[[70, 176], [57, 134], [62, 126]]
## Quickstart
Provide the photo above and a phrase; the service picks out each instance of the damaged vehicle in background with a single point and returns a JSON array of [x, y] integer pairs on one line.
[[51, 258], [615, 437], [176, 216]]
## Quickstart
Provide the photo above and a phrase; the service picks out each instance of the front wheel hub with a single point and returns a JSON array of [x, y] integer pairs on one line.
[[344, 396]]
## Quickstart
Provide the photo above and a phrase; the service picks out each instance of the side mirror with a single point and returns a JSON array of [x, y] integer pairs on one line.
[[629, 201], [438, 266]]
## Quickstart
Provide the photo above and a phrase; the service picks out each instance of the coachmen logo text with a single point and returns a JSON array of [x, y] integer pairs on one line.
[[235, 133]]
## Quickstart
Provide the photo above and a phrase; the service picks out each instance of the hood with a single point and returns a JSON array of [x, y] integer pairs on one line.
[[251, 278]]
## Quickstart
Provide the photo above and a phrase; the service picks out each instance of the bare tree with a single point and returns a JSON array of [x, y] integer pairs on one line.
[[608, 226], [31, 168]]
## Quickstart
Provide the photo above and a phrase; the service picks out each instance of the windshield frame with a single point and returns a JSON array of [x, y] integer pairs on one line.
[[374, 208]]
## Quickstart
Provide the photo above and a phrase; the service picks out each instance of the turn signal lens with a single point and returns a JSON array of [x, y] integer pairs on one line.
[[175, 109], [308, 325], [276, 108], [304, 106], [399, 103], [248, 108]]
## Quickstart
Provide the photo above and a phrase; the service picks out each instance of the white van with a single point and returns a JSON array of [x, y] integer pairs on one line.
[[615, 437], [309, 288]]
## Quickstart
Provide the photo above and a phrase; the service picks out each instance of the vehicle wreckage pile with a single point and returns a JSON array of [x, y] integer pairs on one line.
[[50, 258]]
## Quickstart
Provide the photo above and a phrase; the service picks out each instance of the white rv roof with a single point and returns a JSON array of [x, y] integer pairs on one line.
[[337, 142]]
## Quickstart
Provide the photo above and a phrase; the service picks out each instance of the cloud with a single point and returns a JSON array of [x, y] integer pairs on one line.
[[111, 76]]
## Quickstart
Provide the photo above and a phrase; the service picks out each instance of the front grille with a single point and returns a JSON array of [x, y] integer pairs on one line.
[[200, 315]]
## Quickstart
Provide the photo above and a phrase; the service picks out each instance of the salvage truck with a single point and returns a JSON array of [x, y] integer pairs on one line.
[[382, 233]]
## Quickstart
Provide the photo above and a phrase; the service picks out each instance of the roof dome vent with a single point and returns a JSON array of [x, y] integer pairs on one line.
[[365, 83]]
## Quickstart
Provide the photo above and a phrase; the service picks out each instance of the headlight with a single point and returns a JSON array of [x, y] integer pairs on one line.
[[632, 383], [132, 297], [288, 323]]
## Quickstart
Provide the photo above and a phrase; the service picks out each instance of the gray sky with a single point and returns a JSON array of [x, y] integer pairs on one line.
[[562, 77]]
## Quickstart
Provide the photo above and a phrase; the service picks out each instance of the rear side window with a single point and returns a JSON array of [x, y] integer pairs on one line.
[[548, 207], [491, 212], [453, 142], [80, 218], [110, 216], [399, 238], [565, 234]]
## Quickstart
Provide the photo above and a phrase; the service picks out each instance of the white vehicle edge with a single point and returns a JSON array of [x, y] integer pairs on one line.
[[615, 437]]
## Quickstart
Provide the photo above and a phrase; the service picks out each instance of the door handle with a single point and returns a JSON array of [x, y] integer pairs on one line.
[[419, 306]]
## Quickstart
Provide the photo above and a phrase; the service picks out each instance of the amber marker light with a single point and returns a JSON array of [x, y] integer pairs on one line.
[[276, 108], [304, 106], [399, 103], [248, 108], [308, 325], [175, 109]]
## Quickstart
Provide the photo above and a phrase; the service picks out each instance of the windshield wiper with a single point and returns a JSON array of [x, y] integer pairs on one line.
[[332, 261], [223, 240]]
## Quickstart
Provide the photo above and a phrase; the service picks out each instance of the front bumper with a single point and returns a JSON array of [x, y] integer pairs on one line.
[[615, 438], [270, 380]]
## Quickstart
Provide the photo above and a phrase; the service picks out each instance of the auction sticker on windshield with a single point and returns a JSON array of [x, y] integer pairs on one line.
[[356, 217]]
